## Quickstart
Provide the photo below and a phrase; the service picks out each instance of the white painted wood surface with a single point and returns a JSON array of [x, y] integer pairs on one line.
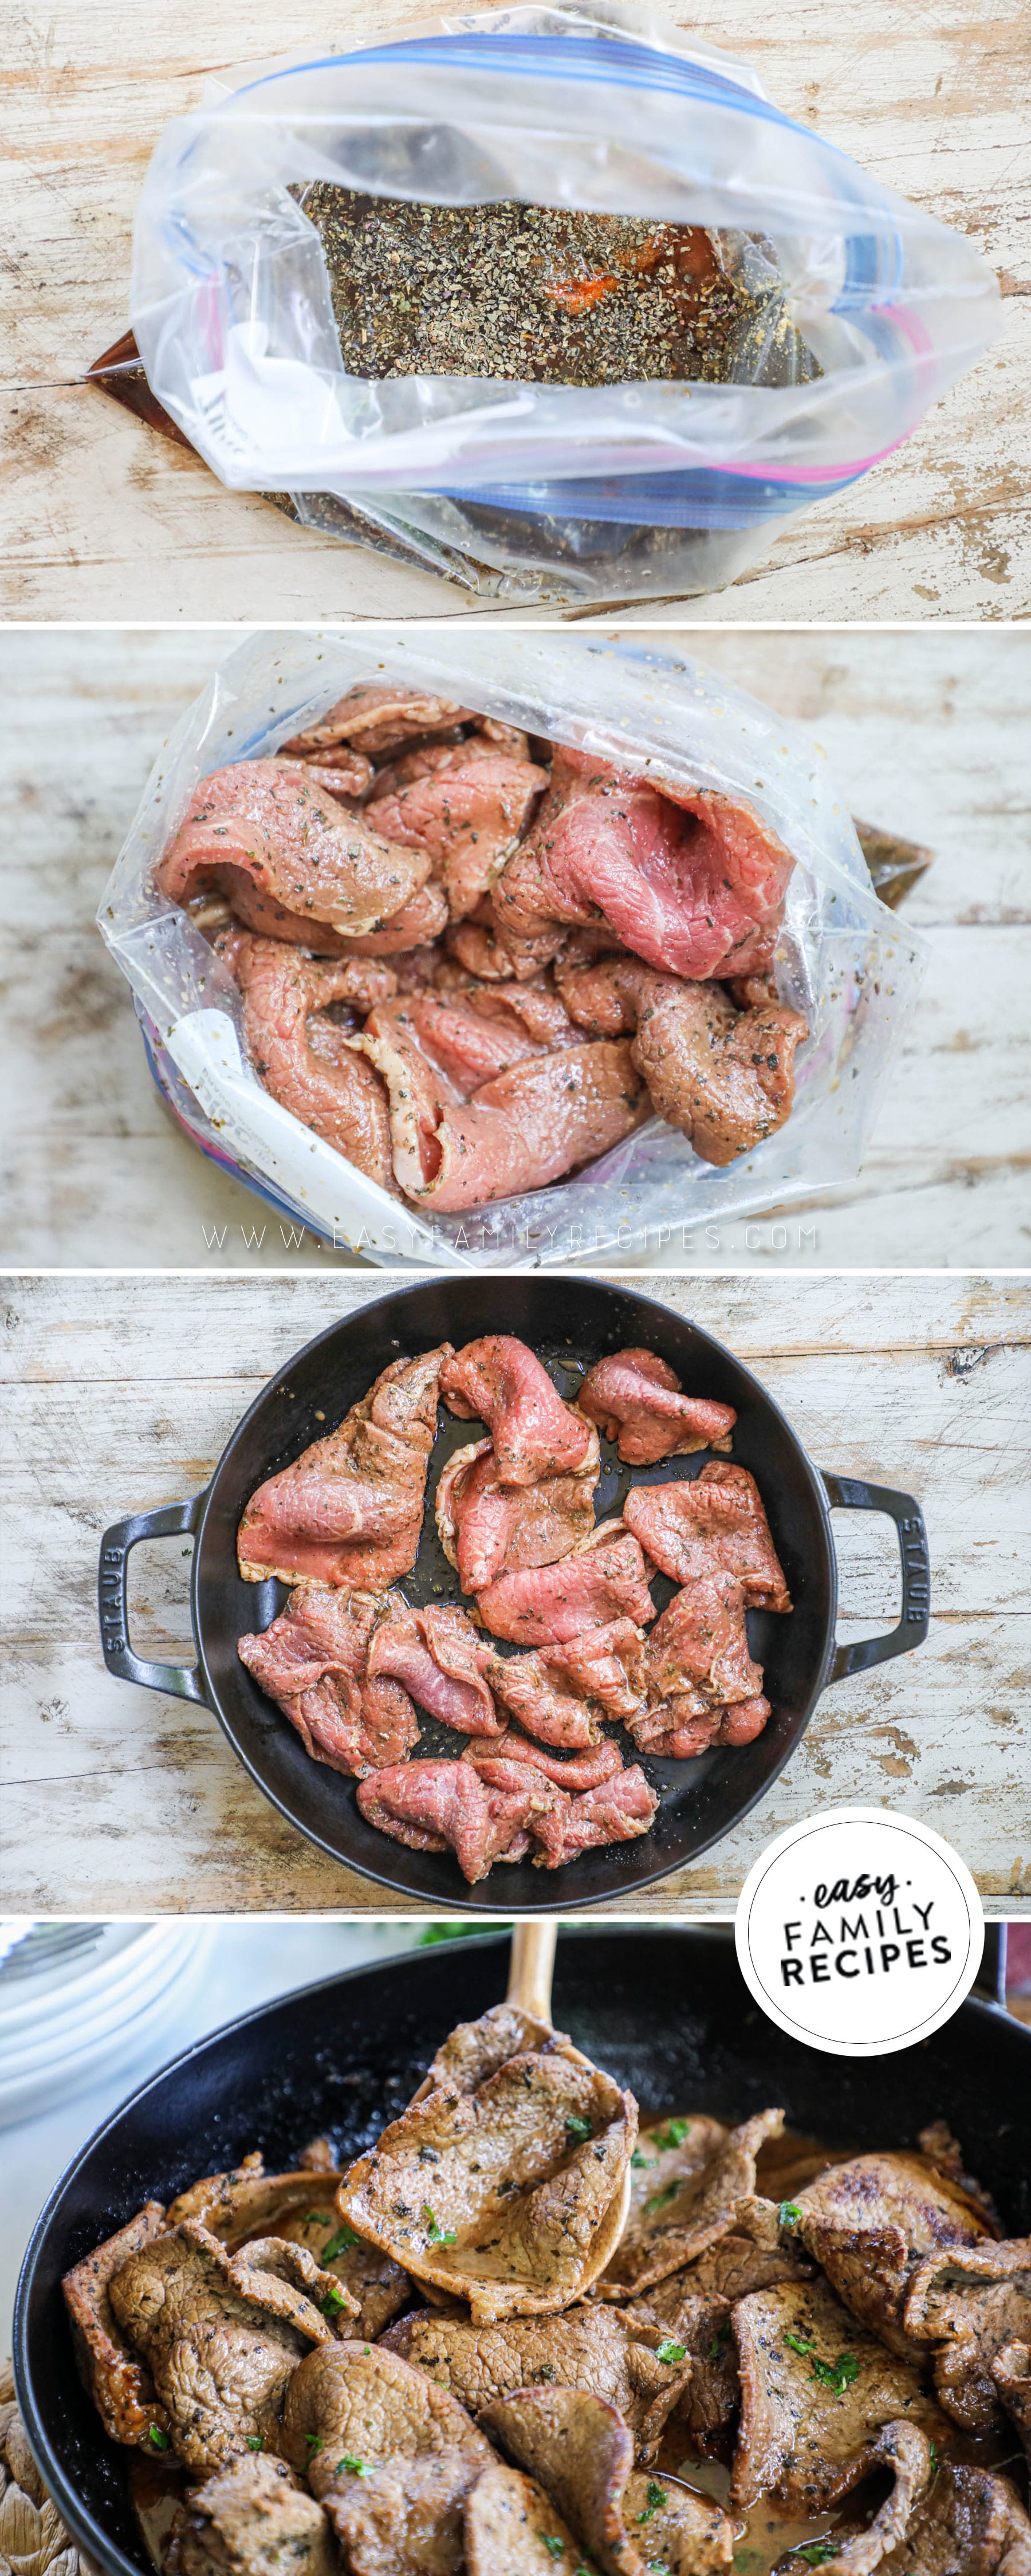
[[122, 1393], [928, 733], [104, 519]]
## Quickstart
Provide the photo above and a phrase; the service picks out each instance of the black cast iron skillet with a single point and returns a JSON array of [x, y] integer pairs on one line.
[[570, 1323], [666, 2011]]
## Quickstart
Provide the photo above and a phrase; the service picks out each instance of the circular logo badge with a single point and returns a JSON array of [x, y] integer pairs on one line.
[[859, 1932]]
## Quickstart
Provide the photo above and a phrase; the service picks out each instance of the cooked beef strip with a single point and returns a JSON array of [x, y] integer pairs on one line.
[[855, 2550], [692, 2308], [252, 2519], [119, 2383], [354, 2401], [476, 2049], [580, 2450], [588, 2346], [868, 2222], [511, 2528], [816, 2390], [405, 2518], [301, 2209], [706, 2186], [349, 1510], [636, 1398], [1011, 2372], [500, 1381], [524, 2178], [967, 2303], [970, 2524], [222, 2333]]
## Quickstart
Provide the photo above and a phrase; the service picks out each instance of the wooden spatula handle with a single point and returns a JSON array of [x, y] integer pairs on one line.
[[532, 1967]]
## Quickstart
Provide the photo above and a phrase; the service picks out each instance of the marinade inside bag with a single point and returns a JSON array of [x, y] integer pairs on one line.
[[542, 294]]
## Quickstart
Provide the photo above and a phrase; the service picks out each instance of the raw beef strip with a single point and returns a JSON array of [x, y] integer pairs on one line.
[[439, 1657], [724, 1078], [313, 1662], [339, 771], [445, 1806], [488, 1527], [603, 1582], [376, 715], [349, 1510], [698, 1650], [304, 1059], [469, 814], [684, 879], [501, 1382], [616, 1812], [636, 1397], [543, 1702], [577, 1771], [526, 1126], [714, 1524], [674, 1732], [291, 861], [605, 1664]]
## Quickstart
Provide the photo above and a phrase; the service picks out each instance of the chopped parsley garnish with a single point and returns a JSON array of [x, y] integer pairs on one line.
[[342, 2243], [255, 2442], [790, 2214], [437, 2235], [314, 2442], [816, 2552], [159, 2439], [642, 2164], [355, 2468], [838, 2374], [672, 2135], [670, 2351], [547, 2370], [657, 2497], [718, 2341], [333, 2300], [797, 2345], [659, 2198], [555, 2547], [578, 2128], [315, 2217]]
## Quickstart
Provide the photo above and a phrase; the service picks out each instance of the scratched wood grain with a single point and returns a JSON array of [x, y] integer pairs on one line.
[[120, 1393], [103, 519], [928, 732]]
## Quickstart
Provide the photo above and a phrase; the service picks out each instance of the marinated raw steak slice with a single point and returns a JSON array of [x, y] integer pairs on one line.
[[549, 1606], [588, 2347], [376, 715], [349, 1510], [457, 1041], [119, 2383], [816, 2390], [468, 814], [968, 2302], [336, 768], [580, 2450], [488, 1528], [724, 1078], [636, 1398], [445, 1806], [312, 1662], [673, 1731], [520, 2192], [685, 880], [439, 1657], [698, 1650], [494, 955], [869, 2221], [252, 2519], [500, 1381], [605, 1664], [303, 1059], [856, 2549], [617, 1812], [223, 2333], [715, 1523], [572, 1772], [511, 2528], [523, 1128], [969, 2524], [290, 860], [488, 741], [703, 2186], [358, 2403]]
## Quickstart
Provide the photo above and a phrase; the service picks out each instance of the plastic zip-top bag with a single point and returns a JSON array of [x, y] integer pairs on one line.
[[862, 309], [842, 959]]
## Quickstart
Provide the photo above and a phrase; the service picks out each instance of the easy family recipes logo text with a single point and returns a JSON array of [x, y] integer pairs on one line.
[[863, 1926]]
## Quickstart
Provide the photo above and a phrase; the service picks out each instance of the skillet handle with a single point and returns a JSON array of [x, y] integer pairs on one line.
[[849, 1494], [172, 1520]]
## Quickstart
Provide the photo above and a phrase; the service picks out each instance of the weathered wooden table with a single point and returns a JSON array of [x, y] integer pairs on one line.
[[123, 1392], [101, 518], [927, 733]]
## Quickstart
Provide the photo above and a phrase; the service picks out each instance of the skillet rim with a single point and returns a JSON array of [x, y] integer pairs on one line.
[[81, 2523], [470, 1901]]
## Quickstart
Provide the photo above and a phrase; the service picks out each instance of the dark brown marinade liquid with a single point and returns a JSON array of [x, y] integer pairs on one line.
[[537, 294]]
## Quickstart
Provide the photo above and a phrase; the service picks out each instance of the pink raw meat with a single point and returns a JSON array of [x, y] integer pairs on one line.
[[467, 813], [698, 1649], [349, 1510], [487, 1527], [636, 1397], [662, 1731], [437, 1655], [303, 1058], [376, 715], [575, 1772], [501, 1382], [684, 878], [292, 862], [442, 1806], [617, 1812], [601, 1583], [715, 1523], [312, 1661]]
